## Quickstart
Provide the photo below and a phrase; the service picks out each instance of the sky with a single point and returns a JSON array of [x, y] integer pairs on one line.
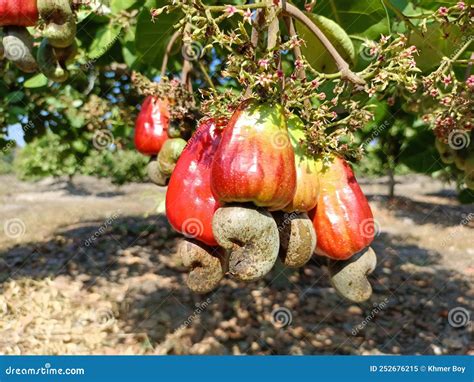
[[15, 132]]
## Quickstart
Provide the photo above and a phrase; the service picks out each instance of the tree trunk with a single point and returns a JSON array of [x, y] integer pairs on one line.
[[391, 183]]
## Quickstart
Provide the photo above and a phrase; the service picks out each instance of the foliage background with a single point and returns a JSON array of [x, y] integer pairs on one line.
[[63, 123]]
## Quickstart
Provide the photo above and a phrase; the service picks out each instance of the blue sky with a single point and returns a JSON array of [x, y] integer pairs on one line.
[[15, 132]]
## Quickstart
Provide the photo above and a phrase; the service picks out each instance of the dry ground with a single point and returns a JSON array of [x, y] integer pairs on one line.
[[123, 293]]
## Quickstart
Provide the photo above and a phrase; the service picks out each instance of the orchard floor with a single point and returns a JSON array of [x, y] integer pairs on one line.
[[92, 269]]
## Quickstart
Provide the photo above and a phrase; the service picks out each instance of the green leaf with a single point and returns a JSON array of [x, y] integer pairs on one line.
[[354, 16], [318, 57], [434, 44], [152, 37], [121, 5], [14, 97], [104, 39], [37, 81], [128, 56]]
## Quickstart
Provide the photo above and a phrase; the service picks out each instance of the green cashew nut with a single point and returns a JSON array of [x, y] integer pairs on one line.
[[60, 27], [50, 64], [66, 55], [18, 48], [155, 173]]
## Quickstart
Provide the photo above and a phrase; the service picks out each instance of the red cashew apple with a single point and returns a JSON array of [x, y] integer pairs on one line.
[[255, 161], [307, 179], [18, 13], [342, 219], [190, 204], [151, 127]]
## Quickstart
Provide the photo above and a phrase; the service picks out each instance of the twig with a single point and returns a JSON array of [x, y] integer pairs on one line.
[[169, 47], [298, 55], [469, 66], [342, 65], [273, 28], [187, 65], [407, 21], [255, 36], [294, 12], [206, 75]]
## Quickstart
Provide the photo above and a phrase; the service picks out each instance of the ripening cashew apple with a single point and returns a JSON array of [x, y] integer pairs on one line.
[[342, 218], [18, 13], [255, 161], [207, 265], [152, 125], [307, 178], [18, 48], [169, 155], [251, 237], [349, 277], [297, 238], [190, 203]]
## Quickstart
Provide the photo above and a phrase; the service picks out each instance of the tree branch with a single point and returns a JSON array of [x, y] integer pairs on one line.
[[342, 65], [169, 47]]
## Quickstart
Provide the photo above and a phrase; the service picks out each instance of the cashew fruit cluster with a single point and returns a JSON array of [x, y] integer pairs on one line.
[[460, 155], [58, 47], [244, 193], [155, 137]]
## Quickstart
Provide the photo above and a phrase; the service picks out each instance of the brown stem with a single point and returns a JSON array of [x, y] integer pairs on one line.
[[294, 12], [273, 28], [342, 65], [298, 55], [254, 41], [187, 65], [169, 47], [206, 75], [296, 50], [469, 66]]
